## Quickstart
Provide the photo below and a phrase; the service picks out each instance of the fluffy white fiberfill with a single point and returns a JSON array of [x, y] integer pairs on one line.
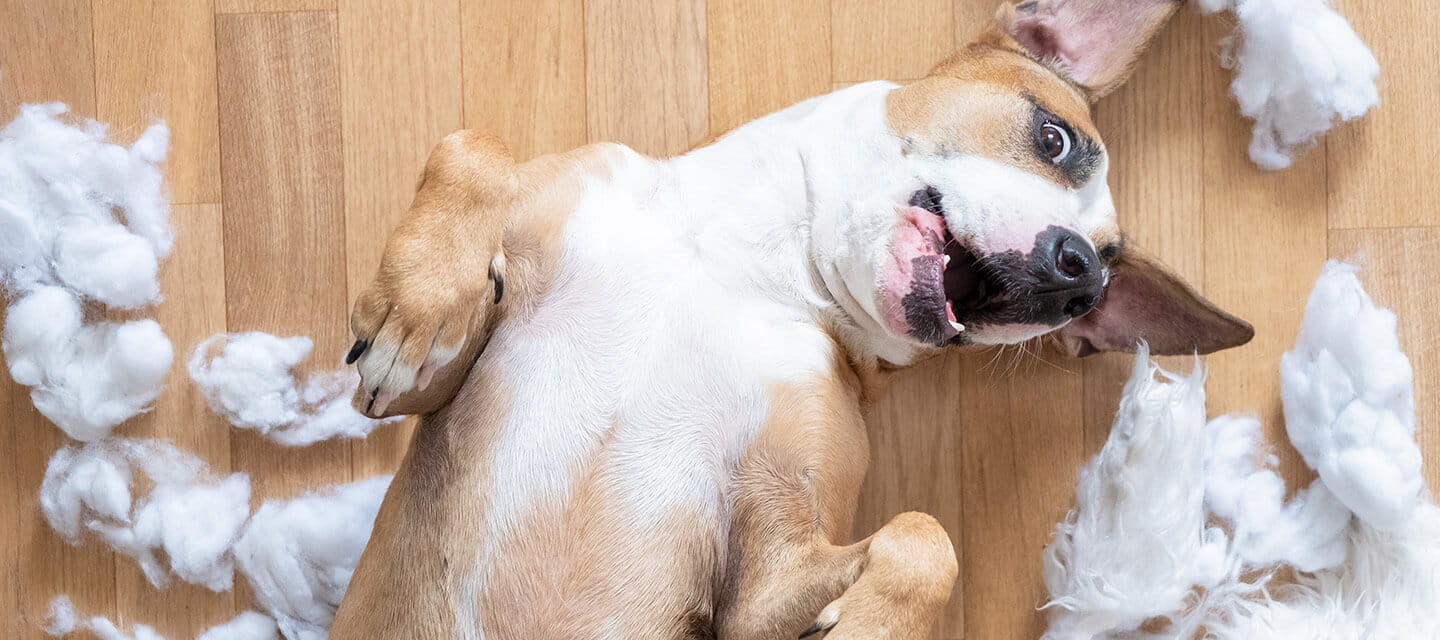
[[249, 379], [63, 620], [82, 222], [298, 555], [1362, 541], [1299, 67], [185, 525]]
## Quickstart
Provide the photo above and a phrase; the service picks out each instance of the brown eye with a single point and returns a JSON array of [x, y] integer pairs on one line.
[[1054, 142]]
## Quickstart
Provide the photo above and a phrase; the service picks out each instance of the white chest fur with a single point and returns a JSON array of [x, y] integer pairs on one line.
[[686, 293]]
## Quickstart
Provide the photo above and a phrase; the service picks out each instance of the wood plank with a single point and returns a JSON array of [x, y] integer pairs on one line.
[[645, 74], [763, 57], [524, 67], [972, 16], [257, 6], [1381, 170], [193, 282], [1152, 127], [386, 141], [1022, 443], [49, 55], [156, 59], [1264, 244], [16, 499], [1399, 268], [883, 39], [284, 224], [914, 445]]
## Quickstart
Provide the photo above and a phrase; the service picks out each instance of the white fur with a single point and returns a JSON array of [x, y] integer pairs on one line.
[[1299, 67], [82, 221], [250, 382]]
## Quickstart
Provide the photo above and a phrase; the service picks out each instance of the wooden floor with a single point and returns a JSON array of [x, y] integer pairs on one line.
[[300, 126]]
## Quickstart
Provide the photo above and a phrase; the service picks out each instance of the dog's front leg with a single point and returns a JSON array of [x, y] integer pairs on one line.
[[796, 494], [441, 278]]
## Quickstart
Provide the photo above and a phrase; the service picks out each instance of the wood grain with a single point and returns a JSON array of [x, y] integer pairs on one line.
[[1399, 267], [156, 59], [301, 125], [912, 463], [883, 39], [763, 57], [1252, 217], [285, 272], [524, 66], [1370, 182], [646, 86], [386, 141], [258, 6], [193, 279], [48, 55], [1153, 127]]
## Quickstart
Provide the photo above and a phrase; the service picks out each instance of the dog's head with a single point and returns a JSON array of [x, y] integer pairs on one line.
[[1007, 230]]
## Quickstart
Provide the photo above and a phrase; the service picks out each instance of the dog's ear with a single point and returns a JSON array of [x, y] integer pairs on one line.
[[1094, 43], [1144, 301]]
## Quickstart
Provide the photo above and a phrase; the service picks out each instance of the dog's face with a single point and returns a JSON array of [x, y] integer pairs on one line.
[[1008, 230]]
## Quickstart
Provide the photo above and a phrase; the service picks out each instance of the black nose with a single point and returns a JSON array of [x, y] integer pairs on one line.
[[1072, 276]]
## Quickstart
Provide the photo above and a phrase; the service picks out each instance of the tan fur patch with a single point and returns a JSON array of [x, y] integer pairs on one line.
[[978, 102], [424, 539]]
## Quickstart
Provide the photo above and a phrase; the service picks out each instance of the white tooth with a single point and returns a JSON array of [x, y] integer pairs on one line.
[[958, 327], [947, 260]]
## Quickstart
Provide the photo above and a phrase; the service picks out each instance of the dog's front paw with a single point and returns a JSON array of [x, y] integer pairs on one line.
[[412, 321]]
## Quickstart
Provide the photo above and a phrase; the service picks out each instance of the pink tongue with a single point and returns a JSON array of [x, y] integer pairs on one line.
[[930, 225]]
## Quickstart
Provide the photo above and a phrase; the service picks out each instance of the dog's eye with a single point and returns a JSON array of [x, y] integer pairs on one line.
[[1054, 142]]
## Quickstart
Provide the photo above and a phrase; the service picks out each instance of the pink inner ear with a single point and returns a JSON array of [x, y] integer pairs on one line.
[[1094, 42]]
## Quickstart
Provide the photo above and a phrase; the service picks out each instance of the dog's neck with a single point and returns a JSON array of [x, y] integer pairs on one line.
[[751, 201]]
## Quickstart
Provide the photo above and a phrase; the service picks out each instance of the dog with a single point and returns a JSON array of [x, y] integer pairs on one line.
[[642, 381]]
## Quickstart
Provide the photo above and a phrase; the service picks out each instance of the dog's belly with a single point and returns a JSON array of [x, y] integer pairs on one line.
[[634, 389]]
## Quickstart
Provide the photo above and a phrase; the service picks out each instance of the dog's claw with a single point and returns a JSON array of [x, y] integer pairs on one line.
[[355, 351], [371, 404], [498, 279], [816, 628]]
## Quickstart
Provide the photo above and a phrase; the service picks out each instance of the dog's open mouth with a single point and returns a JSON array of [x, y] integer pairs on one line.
[[970, 284]]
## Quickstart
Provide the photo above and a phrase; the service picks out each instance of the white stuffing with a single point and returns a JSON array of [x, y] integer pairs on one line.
[[1299, 66], [246, 626], [1146, 489], [1308, 532], [82, 222], [1363, 539], [298, 555], [63, 621], [1349, 408], [250, 381], [84, 377], [185, 525], [104, 629]]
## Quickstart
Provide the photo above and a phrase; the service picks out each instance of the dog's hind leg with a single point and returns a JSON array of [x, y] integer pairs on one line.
[[893, 584], [796, 492]]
